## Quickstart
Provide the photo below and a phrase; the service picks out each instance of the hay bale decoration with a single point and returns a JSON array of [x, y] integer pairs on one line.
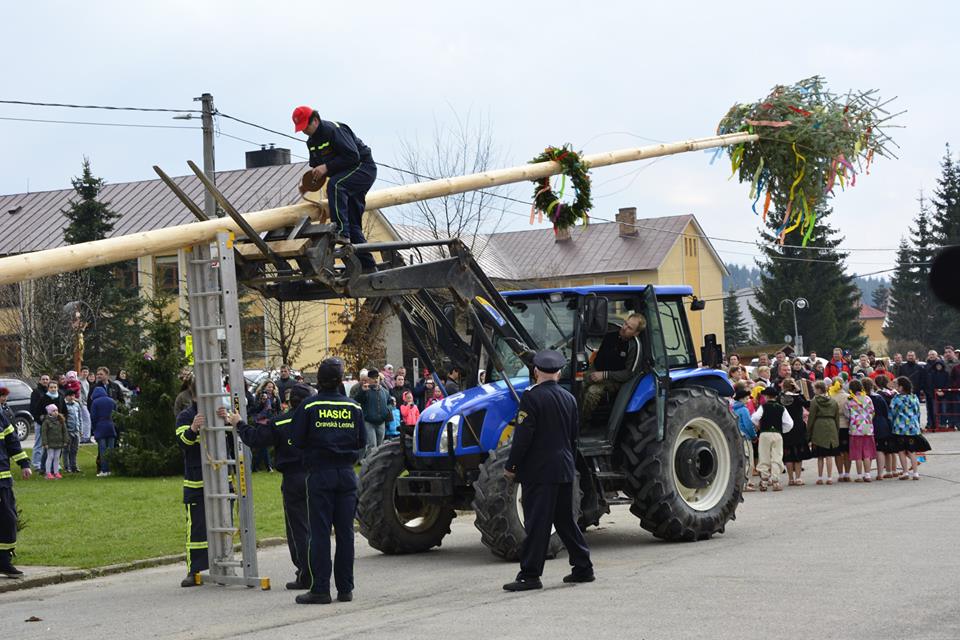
[[811, 141]]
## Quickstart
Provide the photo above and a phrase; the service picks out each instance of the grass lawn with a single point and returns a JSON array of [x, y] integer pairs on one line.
[[85, 521]]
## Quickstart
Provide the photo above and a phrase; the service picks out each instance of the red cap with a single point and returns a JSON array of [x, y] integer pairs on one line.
[[301, 118]]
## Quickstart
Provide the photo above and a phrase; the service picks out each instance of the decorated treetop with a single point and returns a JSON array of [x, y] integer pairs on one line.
[[811, 141]]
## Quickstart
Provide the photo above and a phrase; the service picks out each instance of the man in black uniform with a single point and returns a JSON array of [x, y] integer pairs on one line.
[[339, 155], [542, 460], [10, 453], [289, 461], [189, 423], [329, 430]]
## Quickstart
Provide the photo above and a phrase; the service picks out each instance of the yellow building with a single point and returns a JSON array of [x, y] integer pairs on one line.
[[873, 320]]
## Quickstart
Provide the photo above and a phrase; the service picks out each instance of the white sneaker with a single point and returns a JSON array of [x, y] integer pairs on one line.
[[101, 474]]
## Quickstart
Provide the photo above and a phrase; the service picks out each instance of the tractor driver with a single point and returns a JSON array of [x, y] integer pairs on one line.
[[615, 361]]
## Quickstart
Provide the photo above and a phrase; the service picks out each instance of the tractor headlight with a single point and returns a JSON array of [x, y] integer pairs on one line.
[[451, 428]]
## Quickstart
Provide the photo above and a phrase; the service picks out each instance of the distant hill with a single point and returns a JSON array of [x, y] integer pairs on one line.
[[742, 277]]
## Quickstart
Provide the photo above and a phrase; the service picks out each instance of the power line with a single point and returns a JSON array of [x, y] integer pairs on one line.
[[101, 124], [95, 106]]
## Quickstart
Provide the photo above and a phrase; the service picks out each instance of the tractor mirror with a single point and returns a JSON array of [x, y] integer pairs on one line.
[[698, 304], [595, 316]]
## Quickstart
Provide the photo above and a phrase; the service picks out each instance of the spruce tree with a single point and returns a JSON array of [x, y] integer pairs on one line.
[[734, 326], [789, 272], [881, 295], [112, 304], [149, 433], [907, 327], [945, 230]]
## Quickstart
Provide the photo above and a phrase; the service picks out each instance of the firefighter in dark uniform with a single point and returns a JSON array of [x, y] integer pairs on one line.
[[289, 461], [329, 429], [339, 155], [10, 453], [189, 423], [542, 460]]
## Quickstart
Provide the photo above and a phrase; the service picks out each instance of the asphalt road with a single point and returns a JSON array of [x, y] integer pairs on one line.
[[844, 561]]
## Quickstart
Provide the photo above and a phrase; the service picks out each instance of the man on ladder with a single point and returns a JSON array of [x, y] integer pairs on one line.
[[336, 153]]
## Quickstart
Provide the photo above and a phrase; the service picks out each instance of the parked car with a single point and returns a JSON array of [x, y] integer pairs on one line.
[[19, 405]]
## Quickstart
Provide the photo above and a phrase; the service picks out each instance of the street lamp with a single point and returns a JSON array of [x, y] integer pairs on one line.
[[799, 303]]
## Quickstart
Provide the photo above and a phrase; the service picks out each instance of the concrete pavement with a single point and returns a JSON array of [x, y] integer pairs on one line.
[[844, 561]]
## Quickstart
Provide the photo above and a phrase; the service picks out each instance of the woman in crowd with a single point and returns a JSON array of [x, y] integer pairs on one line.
[[840, 395], [266, 408]]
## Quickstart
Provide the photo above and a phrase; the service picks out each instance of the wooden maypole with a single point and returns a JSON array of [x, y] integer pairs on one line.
[[118, 249]]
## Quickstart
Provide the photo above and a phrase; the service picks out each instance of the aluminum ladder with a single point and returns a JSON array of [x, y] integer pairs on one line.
[[215, 327]]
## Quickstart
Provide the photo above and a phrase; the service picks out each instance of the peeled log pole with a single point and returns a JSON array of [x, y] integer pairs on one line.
[[100, 252]]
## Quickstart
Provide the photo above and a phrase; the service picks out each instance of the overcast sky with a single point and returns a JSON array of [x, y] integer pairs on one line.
[[605, 77]]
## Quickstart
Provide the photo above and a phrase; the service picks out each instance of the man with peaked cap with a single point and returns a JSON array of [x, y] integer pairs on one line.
[[542, 460]]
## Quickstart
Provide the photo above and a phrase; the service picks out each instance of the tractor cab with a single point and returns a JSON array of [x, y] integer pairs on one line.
[[576, 320]]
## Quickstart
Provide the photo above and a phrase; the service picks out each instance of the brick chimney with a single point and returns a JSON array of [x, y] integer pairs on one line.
[[562, 235], [627, 217]]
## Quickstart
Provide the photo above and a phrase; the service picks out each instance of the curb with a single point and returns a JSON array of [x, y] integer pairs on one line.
[[74, 575]]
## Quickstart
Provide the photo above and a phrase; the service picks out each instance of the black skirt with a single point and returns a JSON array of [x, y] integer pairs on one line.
[[844, 446], [824, 452], [913, 444], [890, 444], [796, 453]]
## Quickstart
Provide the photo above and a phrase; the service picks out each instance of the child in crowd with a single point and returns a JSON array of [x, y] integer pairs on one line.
[[863, 449], [882, 432], [409, 412], [824, 421], [905, 410], [73, 431], [436, 397], [747, 430], [796, 447], [393, 425], [772, 420], [840, 396], [886, 391], [53, 437]]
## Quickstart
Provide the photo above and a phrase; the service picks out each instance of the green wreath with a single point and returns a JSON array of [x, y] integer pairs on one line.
[[563, 215]]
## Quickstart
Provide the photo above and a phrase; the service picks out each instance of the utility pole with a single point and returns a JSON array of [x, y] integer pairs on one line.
[[209, 164]]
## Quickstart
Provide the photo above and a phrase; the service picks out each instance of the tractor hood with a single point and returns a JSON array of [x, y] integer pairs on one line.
[[489, 396]]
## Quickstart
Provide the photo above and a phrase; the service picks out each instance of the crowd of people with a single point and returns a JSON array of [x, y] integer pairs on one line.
[[853, 413], [70, 409]]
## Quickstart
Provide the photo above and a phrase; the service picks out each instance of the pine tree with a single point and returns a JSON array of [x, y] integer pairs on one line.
[[734, 325], [945, 231], [150, 447], [911, 312], [113, 304], [880, 298], [788, 273]]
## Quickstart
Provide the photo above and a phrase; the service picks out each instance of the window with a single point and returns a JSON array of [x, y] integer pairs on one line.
[[252, 336], [167, 274], [10, 354], [10, 296], [675, 334], [127, 274], [549, 320]]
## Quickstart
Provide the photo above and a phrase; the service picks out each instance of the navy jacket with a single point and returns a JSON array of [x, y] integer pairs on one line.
[[101, 414], [545, 436], [328, 428], [10, 451], [275, 433], [335, 145], [189, 444]]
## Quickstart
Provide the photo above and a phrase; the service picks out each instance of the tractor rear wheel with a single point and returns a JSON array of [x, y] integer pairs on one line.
[[498, 504], [687, 486], [392, 523]]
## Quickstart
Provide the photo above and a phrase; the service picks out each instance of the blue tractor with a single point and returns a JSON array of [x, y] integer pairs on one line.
[[666, 442]]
